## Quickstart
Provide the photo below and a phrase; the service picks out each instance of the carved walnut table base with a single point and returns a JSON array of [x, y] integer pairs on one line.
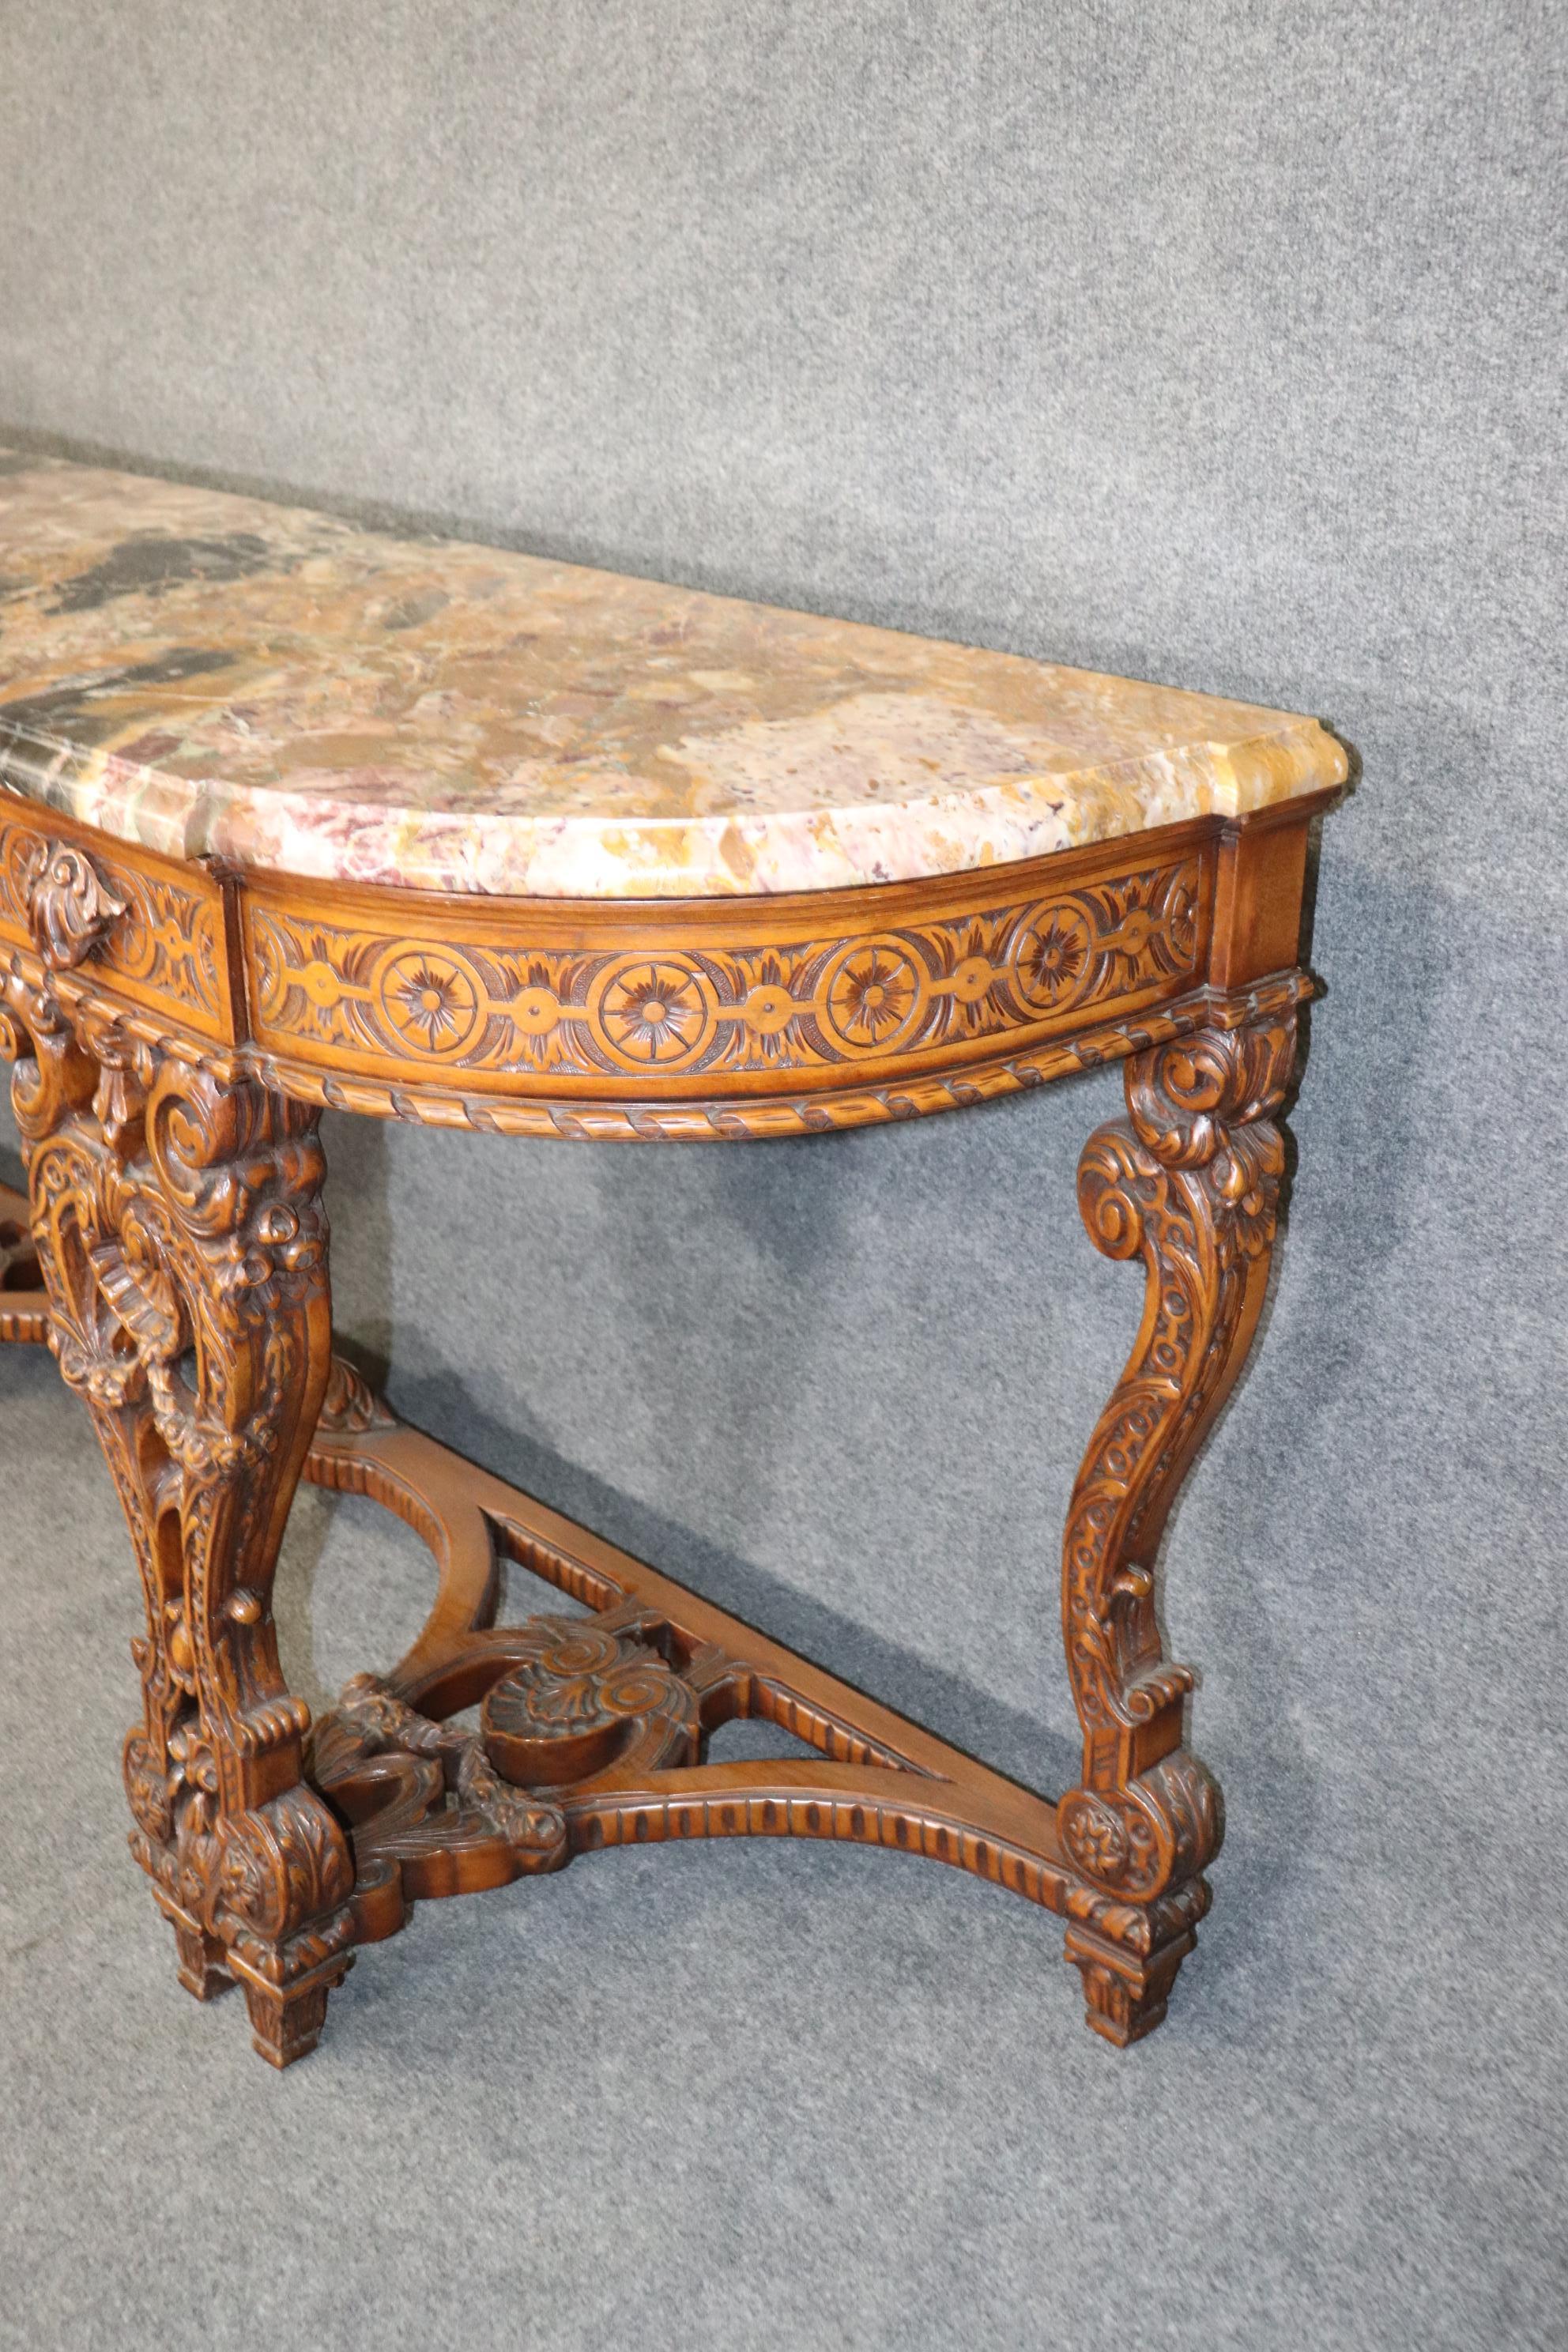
[[293, 815], [176, 1028]]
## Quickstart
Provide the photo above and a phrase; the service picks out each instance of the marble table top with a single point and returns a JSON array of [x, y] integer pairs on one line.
[[205, 674]]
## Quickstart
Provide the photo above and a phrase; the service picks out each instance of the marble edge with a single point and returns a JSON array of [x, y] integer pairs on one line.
[[729, 854]]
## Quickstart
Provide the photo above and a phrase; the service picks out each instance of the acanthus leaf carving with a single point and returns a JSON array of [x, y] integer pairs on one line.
[[1190, 1184], [350, 1405], [69, 906], [161, 934], [180, 1233], [178, 1196]]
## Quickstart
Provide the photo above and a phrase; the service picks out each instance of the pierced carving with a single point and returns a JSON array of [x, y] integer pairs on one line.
[[591, 1728], [572, 1704], [180, 1238], [1191, 1183], [175, 1183]]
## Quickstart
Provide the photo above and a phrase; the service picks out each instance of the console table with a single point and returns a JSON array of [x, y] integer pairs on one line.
[[297, 814]]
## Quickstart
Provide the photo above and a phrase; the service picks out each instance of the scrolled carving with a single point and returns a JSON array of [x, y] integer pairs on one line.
[[392, 1765], [588, 1696], [379, 1720], [282, 1864], [1192, 1100], [176, 1193], [155, 931], [1191, 1183], [571, 1701], [180, 1233], [69, 906], [533, 1829]]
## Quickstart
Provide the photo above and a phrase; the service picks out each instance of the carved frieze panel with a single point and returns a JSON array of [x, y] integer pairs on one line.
[[642, 1016], [154, 934]]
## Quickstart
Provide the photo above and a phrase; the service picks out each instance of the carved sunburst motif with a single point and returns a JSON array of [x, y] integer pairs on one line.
[[431, 1002], [654, 1012], [1055, 960], [872, 994], [1052, 960]]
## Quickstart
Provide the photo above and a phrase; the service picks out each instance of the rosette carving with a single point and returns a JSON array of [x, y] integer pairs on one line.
[[725, 1009], [1190, 1183]]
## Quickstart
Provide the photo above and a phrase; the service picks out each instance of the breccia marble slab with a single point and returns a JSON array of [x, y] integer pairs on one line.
[[212, 675]]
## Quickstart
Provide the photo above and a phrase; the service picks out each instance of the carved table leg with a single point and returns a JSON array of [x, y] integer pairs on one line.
[[183, 1247], [1191, 1180]]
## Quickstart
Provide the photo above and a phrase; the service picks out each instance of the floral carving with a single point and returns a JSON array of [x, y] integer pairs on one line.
[[430, 1001], [870, 996], [586, 1697], [1052, 957], [176, 1174], [1095, 1837], [654, 1013], [659, 1013]]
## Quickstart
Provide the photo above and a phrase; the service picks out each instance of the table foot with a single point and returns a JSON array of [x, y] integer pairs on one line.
[[1125, 1996], [203, 1971], [1127, 1989], [287, 2025]]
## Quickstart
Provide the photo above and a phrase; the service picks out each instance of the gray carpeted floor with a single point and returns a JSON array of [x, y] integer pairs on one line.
[[745, 2095]]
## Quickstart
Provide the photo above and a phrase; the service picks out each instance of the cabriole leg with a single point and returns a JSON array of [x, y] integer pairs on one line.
[[1189, 1180], [183, 1243]]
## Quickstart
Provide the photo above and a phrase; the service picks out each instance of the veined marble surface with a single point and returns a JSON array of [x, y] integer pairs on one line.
[[209, 674]]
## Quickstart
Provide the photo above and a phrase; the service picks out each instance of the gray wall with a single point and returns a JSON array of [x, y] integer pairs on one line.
[[1220, 345]]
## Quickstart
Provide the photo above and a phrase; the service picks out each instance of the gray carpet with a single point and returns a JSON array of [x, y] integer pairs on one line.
[[1220, 343]]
